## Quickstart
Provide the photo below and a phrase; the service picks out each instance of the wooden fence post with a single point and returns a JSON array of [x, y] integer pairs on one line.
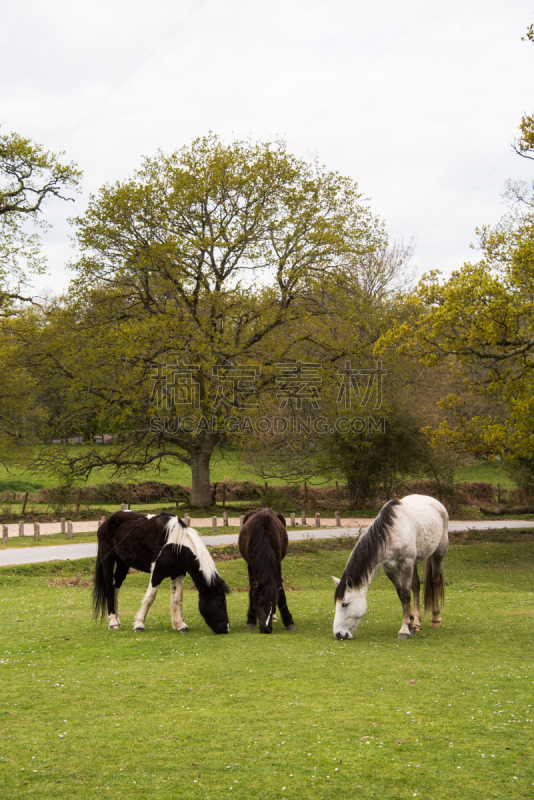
[[100, 522], [317, 520], [292, 519], [36, 531], [338, 521], [214, 523], [5, 534], [303, 518], [224, 495], [186, 519], [241, 520], [70, 533], [225, 517], [21, 528], [63, 524]]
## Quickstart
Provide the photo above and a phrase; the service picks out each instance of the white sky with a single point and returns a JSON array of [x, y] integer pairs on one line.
[[418, 101]]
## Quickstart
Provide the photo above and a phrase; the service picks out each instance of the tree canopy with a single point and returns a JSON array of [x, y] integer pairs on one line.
[[482, 318], [29, 176], [207, 264]]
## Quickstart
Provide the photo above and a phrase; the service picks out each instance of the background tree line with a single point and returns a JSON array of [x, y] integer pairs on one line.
[[217, 258]]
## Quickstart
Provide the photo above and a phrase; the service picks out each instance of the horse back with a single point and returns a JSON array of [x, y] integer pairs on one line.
[[263, 529], [421, 525], [134, 538]]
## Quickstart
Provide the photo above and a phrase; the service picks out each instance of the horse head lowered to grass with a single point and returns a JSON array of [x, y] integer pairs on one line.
[[263, 544], [405, 532], [165, 547]]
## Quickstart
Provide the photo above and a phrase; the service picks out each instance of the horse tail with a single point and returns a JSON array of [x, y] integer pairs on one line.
[[106, 531], [434, 587], [99, 588]]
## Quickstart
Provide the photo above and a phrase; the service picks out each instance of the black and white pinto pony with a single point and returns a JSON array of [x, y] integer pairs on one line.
[[263, 544], [405, 532], [165, 547]]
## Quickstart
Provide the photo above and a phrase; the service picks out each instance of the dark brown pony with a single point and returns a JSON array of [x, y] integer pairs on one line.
[[263, 544]]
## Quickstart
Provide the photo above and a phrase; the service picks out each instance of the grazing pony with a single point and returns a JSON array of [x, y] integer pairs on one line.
[[165, 547], [263, 544], [405, 532]]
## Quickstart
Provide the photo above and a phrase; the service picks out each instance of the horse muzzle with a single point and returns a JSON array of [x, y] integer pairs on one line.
[[222, 629], [343, 635]]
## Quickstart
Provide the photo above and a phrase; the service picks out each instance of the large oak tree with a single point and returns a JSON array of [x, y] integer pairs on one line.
[[207, 261]]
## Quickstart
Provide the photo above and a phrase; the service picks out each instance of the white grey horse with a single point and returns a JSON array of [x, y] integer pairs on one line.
[[405, 532]]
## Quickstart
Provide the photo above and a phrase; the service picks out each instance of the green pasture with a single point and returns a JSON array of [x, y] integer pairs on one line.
[[224, 464], [487, 472], [90, 713]]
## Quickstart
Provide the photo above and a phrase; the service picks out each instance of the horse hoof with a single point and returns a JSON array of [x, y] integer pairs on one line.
[[413, 631], [403, 636], [436, 624], [291, 627], [250, 626], [274, 618], [139, 630], [185, 629], [114, 627]]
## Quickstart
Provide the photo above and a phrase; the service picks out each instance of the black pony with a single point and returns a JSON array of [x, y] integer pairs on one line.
[[263, 544], [166, 548]]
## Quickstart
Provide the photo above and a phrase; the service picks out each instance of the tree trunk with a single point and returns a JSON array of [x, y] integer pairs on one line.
[[498, 512], [354, 488], [200, 479]]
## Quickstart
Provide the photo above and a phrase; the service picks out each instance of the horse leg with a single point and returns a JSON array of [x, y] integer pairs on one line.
[[402, 582], [287, 619], [109, 581], [251, 614], [177, 589], [415, 623], [121, 571], [148, 599]]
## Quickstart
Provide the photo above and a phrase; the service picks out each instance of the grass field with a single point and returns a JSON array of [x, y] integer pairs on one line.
[[224, 465], [90, 713]]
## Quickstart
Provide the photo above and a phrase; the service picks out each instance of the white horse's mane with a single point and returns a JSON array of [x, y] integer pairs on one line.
[[188, 537]]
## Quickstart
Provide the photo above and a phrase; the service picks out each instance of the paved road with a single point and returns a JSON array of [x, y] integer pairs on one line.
[[70, 552]]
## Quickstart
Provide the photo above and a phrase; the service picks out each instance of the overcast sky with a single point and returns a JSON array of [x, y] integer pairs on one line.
[[418, 101]]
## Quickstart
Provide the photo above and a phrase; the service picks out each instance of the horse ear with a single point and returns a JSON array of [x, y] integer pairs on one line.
[[282, 519], [336, 580], [250, 513], [350, 583]]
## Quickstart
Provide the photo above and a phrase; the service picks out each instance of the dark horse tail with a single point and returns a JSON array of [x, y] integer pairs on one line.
[[434, 588], [105, 531], [99, 589], [265, 552]]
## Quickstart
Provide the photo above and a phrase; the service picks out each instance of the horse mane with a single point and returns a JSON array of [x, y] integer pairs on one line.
[[261, 553], [178, 534], [364, 558]]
